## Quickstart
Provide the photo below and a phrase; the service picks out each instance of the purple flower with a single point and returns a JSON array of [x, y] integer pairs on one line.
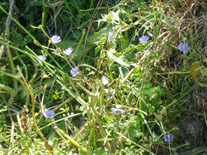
[[42, 57], [168, 138], [183, 47], [56, 39], [68, 51], [105, 80], [49, 113], [117, 111], [74, 71], [143, 39]]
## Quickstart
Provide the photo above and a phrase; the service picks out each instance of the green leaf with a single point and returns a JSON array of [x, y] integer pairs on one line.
[[67, 43], [119, 59], [97, 37]]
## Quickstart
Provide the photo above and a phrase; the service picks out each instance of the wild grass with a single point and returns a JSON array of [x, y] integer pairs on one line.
[[113, 91]]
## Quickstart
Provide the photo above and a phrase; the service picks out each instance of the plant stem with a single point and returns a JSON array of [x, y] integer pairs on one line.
[[47, 145], [71, 140]]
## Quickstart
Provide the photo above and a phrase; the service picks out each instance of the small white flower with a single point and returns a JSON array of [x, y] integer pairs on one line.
[[42, 57], [68, 51], [56, 39], [105, 80]]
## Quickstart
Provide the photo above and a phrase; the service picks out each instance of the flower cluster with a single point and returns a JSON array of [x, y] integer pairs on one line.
[[56, 39]]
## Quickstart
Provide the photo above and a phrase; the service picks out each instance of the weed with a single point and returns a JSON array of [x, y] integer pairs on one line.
[[110, 83]]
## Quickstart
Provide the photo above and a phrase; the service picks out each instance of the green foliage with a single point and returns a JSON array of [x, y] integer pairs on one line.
[[129, 113]]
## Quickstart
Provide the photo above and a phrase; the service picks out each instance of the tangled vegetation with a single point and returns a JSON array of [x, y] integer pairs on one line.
[[103, 77]]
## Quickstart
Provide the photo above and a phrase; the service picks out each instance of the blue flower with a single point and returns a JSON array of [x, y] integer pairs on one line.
[[49, 113], [56, 39], [183, 47], [74, 71], [68, 51], [105, 80], [143, 39], [42, 57], [117, 111], [168, 138]]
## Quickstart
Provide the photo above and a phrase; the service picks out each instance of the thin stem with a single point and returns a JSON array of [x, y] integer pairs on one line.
[[35, 40], [71, 140], [44, 14], [74, 54], [47, 145], [12, 66], [9, 89]]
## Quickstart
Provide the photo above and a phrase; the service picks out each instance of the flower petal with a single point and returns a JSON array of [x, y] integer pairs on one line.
[[74, 71], [68, 51], [49, 113], [56, 39], [117, 111], [105, 80], [168, 138], [42, 57], [186, 48], [183, 47], [144, 39], [180, 47]]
